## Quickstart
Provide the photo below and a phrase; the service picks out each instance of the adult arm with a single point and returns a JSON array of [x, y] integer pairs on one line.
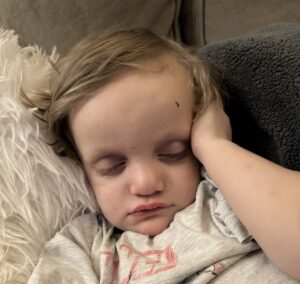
[[265, 196]]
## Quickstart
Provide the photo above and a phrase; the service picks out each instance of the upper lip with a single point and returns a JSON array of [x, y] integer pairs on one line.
[[149, 206]]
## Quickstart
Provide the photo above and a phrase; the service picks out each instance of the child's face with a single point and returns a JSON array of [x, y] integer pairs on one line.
[[133, 138]]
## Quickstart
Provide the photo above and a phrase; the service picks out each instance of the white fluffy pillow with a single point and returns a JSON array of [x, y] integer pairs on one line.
[[39, 191]]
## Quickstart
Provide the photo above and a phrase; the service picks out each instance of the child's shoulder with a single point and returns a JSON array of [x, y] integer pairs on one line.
[[84, 218], [84, 224]]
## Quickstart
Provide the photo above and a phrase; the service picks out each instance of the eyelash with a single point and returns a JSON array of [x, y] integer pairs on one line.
[[114, 170], [174, 157]]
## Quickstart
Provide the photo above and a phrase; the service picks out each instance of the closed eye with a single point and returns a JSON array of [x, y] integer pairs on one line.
[[174, 157], [112, 170]]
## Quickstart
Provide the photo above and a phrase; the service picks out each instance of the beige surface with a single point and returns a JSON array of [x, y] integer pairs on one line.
[[231, 18], [207, 21], [64, 22]]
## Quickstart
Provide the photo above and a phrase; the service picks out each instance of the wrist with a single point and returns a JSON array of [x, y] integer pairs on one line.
[[206, 151]]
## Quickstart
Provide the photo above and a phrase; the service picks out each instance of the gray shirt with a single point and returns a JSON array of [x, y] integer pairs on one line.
[[204, 243]]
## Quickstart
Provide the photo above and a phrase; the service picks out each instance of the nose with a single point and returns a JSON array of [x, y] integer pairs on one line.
[[147, 180]]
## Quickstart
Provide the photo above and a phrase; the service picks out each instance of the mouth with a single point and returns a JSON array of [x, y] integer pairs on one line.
[[148, 208]]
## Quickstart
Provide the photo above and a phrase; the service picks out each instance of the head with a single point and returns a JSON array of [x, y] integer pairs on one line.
[[122, 105]]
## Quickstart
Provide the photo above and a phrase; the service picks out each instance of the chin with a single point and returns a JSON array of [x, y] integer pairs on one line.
[[153, 228]]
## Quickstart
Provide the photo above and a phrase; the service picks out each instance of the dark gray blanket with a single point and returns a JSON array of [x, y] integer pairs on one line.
[[261, 72]]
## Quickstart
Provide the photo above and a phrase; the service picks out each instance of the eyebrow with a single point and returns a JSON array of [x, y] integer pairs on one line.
[[167, 142], [180, 135]]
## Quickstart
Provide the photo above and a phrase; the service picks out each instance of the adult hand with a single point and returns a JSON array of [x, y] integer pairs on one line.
[[211, 125]]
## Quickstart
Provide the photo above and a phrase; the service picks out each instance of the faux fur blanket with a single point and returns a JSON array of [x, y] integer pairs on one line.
[[39, 192], [261, 71]]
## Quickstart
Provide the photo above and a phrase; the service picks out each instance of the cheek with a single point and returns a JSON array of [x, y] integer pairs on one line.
[[107, 197], [109, 203], [190, 180], [192, 171]]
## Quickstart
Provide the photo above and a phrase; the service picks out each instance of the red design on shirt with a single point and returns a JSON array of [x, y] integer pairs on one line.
[[112, 264], [143, 264]]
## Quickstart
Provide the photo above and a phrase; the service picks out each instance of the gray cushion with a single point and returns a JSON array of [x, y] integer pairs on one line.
[[262, 74], [64, 22]]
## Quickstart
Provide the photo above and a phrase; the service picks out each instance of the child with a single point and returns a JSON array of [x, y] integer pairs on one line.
[[123, 106]]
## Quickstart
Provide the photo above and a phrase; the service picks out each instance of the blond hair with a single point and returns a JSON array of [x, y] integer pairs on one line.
[[98, 60]]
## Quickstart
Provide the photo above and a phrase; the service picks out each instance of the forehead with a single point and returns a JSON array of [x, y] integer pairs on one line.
[[139, 106], [163, 64]]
